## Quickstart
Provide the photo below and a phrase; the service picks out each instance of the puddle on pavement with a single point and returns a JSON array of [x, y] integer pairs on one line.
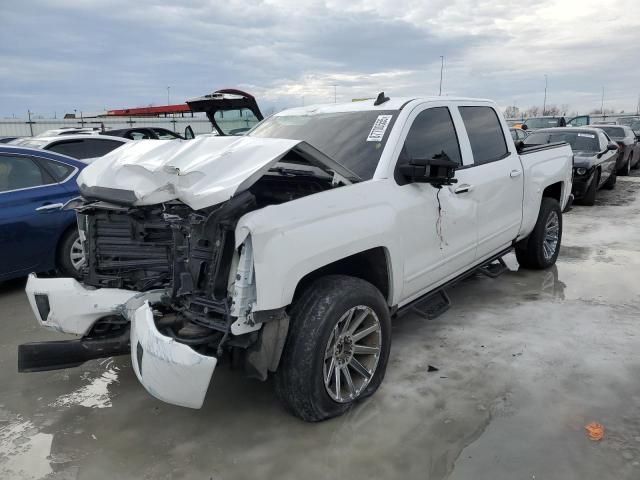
[[24, 450], [93, 395]]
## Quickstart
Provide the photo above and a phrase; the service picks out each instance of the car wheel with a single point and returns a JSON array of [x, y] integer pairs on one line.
[[590, 195], [636, 164], [611, 181], [626, 169], [70, 254], [540, 250], [336, 350]]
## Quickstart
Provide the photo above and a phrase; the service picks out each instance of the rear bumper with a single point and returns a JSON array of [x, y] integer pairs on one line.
[[171, 371]]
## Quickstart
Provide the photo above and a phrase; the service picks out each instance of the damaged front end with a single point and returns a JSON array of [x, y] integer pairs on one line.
[[172, 281]]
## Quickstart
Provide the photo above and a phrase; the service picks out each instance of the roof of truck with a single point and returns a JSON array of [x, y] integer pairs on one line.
[[394, 103]]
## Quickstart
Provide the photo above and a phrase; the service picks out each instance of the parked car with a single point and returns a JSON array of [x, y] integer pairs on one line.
[[70, 131], [633, 123], [289, 250], [628, 145], [517, 134], [595, 158], [79, 146], [535, 123], [148, 133], [36, 234]]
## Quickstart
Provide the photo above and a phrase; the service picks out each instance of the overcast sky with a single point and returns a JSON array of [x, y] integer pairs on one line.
[[91, 55]]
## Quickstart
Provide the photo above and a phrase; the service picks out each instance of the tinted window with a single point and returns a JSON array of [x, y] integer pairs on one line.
[[21, 172], [431, 134], [616, 132], [355, 140], [84, 148], [485, 134], [60, 171], [579, 141], [140, 135]]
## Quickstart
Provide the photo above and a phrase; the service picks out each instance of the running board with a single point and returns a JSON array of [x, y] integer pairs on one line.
[[437, 302], [493, 269]]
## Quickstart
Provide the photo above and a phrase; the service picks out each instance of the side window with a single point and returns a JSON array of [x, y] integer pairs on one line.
[[60, 171], [432, 133], [18, 172], [604, 141], [485, 134], [84, 148]]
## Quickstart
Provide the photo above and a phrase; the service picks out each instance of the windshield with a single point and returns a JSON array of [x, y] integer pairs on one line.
[[614, 132], [579, 141], [542, 122], [353, 139]]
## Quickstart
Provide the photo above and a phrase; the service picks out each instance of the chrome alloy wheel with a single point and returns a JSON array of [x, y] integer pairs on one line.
[[551, 236], [352, 354], [76, 254]]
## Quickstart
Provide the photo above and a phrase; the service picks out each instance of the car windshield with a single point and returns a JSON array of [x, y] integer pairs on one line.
[[579, 141], [542, 122], [613, 132], [355, 140]]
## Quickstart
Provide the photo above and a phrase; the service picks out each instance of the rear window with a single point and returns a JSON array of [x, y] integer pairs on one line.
[[84, 148], [616, 132], [579, 141], [485, 134]]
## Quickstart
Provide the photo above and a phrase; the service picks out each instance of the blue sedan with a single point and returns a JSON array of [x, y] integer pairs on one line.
[[36, 235]]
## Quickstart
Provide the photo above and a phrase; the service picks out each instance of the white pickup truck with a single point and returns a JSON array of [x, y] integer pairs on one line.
[[288, 251]]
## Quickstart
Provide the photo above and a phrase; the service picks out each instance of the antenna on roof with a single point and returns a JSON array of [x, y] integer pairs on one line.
[[381, 99]]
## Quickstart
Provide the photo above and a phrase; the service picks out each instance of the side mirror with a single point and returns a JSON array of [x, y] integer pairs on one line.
[[524, 127], [437, 171], [612, 146], [188, 133]]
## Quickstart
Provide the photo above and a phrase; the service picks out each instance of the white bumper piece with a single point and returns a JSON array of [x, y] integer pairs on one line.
[[169, 370]]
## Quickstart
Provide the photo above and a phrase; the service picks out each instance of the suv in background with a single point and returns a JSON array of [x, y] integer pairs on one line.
[[628, 146]]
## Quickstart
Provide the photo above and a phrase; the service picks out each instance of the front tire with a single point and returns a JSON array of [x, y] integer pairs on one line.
[[337, 348], [589, 198], [540, 250], [70, 254], [611, 181]]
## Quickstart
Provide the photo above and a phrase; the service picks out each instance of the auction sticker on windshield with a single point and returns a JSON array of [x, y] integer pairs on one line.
[[379, 127], [588, 135]]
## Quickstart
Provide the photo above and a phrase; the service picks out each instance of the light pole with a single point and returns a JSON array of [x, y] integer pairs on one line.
[[441, 70], [168, 96], [544, 103], [602, 103]]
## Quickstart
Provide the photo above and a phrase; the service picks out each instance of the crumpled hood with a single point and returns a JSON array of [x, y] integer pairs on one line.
[[200, 172]]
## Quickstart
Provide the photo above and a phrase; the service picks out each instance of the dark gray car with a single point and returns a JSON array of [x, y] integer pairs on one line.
[[627, 143]]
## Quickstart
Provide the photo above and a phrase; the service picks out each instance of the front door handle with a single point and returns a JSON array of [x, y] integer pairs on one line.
[[464, 188], [515, 173], [49, 207]]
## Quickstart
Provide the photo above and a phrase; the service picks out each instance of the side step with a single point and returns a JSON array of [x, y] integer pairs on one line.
[[437, 302], [494, 269]]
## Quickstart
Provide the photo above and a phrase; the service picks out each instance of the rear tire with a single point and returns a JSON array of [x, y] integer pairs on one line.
[[540, 250], [68, 254], [589, 198], [318, 338], [626, 169]]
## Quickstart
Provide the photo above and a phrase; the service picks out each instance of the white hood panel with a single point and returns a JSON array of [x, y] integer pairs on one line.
[[200, 172]]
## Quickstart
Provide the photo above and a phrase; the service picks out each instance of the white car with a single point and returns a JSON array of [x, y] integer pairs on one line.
[[79, 146], [70, 131], [289, 250]]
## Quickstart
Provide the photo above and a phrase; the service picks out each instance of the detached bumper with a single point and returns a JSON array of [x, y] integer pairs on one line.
[[169, 370]]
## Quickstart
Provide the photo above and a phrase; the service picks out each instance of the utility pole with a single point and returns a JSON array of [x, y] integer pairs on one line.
[[30, 122], [602, 103], [441, 71], [168, 96], [544, 103]]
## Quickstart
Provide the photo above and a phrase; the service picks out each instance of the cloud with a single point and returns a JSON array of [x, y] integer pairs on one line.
[[60, 55]]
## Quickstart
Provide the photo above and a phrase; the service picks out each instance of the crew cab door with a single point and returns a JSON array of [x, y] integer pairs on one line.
[[437, 227], [496, 176]]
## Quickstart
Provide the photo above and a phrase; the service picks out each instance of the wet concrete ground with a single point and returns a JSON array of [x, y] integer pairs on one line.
[[525, 362]]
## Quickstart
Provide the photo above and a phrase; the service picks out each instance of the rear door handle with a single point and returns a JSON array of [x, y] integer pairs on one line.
[[49, 207], [464, 188], [515, 173]]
